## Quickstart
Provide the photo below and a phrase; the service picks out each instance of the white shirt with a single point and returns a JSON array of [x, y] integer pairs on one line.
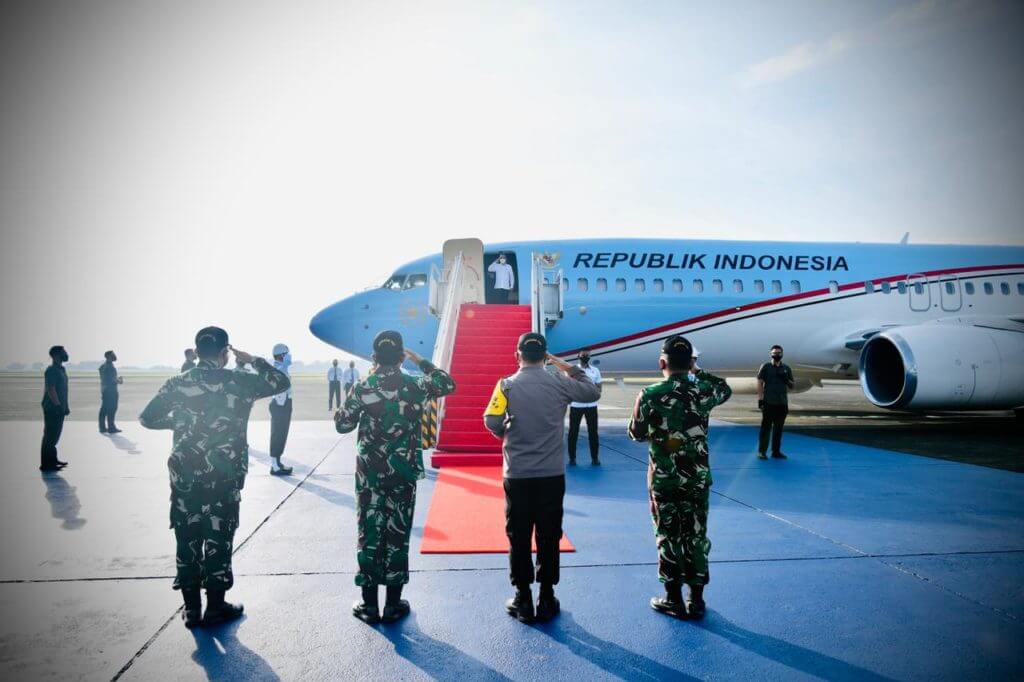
[[284, 365], [350, 375], [504, 278], [595, 375], [334, 373]]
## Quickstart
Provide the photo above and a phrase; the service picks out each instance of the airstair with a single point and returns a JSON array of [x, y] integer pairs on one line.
[[476, 343]]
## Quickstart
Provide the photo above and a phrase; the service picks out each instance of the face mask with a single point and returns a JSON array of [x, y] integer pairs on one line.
[[776, 356]]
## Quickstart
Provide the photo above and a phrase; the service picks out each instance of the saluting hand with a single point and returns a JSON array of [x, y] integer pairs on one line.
[[241, 355], [413, 355], [559, 363]]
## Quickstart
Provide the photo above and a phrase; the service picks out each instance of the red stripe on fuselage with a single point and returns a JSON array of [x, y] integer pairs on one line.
[[786, 299]]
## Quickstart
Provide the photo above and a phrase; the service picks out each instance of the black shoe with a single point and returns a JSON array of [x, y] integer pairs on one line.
[[676, 609], [595, 462], [572, 461], [696, 608], [61, 464], [521, 606], [283, 471], [219, 611], [103, 430], [762, 455], [114, 430], [49, 467], [778, 455], [547, 606], [192, 614], [395, 608], [366, 609]]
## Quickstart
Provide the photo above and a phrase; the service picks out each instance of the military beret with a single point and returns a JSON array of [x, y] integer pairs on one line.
[[388, 341], [533, 345], [211, 341], [677, 347]]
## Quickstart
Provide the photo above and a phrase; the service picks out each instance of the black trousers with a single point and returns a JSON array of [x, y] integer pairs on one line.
[[333, 394], [280, 421], [772, 419], [533, 505], [108, 408], [575, 415], [53, 424], [501, 295]]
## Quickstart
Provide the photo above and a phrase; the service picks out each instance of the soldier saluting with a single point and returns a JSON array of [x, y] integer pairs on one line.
[[208, 409], [387, 407], [672, 415]]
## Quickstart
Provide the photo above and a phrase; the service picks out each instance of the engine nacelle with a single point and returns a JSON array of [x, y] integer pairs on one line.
[[944, 367]]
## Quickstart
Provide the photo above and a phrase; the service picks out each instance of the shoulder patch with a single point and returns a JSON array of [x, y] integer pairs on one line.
[[499, 402]]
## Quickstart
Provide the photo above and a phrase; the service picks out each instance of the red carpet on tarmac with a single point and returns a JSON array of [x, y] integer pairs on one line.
[[467, 513]]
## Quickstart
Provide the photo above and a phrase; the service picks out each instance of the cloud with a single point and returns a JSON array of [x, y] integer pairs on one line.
[[921, 15]]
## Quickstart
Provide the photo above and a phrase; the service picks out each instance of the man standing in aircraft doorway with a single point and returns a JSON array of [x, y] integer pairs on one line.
[[588, 411], [774, 380], [504, 278]]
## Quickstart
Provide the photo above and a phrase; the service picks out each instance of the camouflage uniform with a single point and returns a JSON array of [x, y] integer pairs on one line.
[[673, 416], [208, 409], [387, 406]]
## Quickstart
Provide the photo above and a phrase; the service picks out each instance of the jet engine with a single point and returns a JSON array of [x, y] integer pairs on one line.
[[944, 366]]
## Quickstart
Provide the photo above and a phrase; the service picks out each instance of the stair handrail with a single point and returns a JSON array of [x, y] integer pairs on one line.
[[448, 325]]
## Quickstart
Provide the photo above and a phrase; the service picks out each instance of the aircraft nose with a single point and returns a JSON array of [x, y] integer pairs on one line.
[[334, 325]]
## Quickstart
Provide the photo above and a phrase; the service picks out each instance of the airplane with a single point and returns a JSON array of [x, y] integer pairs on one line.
[[923, 327]]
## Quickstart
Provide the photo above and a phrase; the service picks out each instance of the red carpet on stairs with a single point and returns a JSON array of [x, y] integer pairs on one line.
[[485, 346], [467, 513]]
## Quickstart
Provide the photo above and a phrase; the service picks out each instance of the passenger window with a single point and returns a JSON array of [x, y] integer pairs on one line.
[[918, 288], [869, 288], [901, 287], [886, 287], [1005, 288], [677, 286], [582, 284], [641, 285], [1020, 288], [988, 288], [659, 286], [833, 287], [602, 284], [620, 284], [716, 286], [776, 286], [950, 289], [737, 286], [969, 288], [698, 286], [795, 285], [415, 281], [759, 286]]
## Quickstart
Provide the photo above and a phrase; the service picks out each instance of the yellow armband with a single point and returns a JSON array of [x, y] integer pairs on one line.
[[498, 403]]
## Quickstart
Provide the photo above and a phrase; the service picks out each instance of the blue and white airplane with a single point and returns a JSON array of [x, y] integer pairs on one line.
[[923, 326]]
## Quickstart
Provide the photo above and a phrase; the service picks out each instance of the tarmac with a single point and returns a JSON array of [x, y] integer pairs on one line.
[[843, 562]]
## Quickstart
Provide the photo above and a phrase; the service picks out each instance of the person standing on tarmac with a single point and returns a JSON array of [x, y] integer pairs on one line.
[[527, 412], [387, 407], [349, 377], [280, 413], [774, 380], [190, 360], [208, 408], [588, 410], [671, 415], [109, 381], [334, 385], [55, 409]]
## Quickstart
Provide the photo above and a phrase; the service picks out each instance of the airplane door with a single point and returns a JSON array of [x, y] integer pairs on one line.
[[919, 293], [949, 293], [472, 266]]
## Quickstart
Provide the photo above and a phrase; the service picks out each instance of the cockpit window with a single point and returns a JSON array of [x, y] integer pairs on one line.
[[414, 281], [394, 282]]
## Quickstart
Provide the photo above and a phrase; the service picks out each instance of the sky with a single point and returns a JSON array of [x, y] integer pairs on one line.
[[168, 165]]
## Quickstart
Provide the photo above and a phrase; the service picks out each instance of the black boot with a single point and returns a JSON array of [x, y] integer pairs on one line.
[[219, 611], [193, 612], [695, 606], [395, 607], [672, 603], [521, 605], [547, 604], [367, 609]]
